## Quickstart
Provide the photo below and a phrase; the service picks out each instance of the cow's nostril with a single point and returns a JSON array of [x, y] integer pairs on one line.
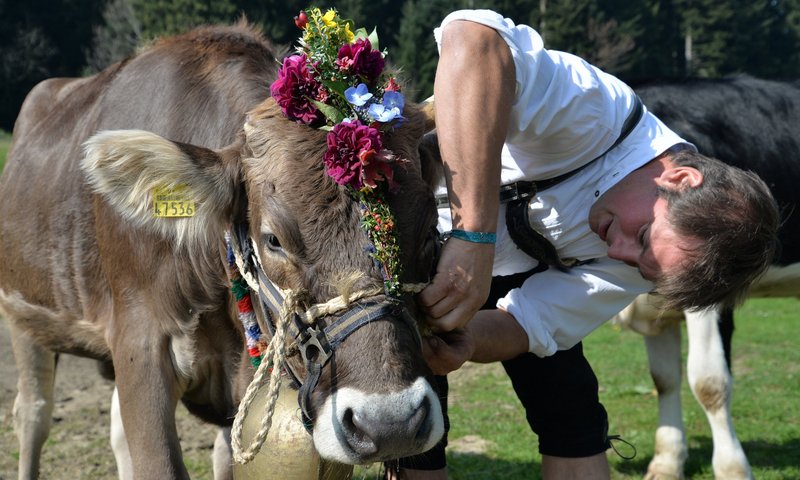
[[347, 420], [357, 434], [419, 421]]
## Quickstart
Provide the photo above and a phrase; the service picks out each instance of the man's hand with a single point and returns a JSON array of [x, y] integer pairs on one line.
[[491, 336], [460, 286], [445, 352]]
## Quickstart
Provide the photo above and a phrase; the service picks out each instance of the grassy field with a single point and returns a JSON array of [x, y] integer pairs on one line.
[[5, 142], [490, 438]]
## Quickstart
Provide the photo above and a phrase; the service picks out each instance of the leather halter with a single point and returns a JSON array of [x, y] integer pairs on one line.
[[316, 344]]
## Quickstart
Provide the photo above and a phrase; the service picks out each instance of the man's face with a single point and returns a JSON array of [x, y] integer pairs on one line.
[[632, 219]]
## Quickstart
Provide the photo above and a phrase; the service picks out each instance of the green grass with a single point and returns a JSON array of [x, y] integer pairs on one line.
[[490, 439], [5, 142]]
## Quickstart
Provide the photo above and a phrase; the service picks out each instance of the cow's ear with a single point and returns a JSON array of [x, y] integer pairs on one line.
[[175, 190], [429, 110], [431, 160]]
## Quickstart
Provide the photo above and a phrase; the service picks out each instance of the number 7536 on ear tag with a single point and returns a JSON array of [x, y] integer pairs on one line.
[[171, 202]]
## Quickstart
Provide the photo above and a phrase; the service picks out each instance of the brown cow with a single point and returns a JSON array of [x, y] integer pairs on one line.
[[87, 269]]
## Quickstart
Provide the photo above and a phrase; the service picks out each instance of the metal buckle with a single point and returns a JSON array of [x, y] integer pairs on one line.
[[314, 346], [508, 193], [517, 191]]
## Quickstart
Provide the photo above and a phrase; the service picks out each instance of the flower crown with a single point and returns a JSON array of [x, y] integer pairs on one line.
[[336, 82]]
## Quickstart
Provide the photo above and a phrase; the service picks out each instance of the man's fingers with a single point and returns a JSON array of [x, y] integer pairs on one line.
[[430, 347], [433, 293], [445, 284], [455, 318], [444, 295], [460, 285], [448, 351], [443, 308]]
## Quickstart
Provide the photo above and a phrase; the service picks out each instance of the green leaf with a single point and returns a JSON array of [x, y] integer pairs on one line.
[[373, 39], [337, 87], [360, 33], [331, 113]]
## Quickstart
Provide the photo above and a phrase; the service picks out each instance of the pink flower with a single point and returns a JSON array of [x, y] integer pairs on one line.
[[301, 20], [295, 88], [360, 59], [356, 156], [391, 86]]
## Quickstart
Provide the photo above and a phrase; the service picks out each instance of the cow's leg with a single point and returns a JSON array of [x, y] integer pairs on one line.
[[119, 444], [148, 387], [222, 457], [726, 328], [711, 384], [33, 406], [664, 355]]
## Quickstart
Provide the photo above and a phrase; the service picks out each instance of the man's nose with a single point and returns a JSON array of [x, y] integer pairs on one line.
[[624, 250]]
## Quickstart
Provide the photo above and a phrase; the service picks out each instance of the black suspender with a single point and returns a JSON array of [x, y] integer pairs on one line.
[[516, 196]]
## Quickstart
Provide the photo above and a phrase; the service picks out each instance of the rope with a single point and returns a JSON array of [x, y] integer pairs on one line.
[[413, 287], [334, 305], [272, 366], [252, 281], [276, 356]]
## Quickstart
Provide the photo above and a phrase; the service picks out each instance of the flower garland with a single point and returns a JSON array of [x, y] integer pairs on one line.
[[336, 82]]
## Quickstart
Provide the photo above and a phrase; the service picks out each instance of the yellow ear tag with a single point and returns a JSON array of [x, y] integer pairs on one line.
[[173, 202]]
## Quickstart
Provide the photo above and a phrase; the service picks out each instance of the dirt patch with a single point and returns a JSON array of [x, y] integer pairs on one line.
[[78, 445], [470, 444]]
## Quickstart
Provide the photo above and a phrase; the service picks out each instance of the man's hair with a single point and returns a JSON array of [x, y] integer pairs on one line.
[[735, 218]]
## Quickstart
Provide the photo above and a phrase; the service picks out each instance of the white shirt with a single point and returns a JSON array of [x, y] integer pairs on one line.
[[565, 114]]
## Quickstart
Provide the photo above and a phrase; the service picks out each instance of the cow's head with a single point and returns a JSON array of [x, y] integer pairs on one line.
[[371, 401]]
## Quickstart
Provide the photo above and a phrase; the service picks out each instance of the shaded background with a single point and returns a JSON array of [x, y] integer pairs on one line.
[[637, 40]]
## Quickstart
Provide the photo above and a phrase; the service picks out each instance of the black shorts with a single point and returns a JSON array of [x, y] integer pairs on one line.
[[559, 394]]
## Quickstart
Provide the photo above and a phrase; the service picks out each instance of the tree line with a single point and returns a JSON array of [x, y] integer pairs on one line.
[[636, 40]]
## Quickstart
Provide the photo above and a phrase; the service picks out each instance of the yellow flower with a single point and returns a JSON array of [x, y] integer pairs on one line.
[[328, 18], [348, 35]]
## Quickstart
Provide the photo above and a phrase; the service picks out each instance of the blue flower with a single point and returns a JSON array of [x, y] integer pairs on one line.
[[391, 108], [394, 100], [358, 96]]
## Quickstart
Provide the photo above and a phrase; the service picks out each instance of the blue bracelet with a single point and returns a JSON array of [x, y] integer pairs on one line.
[[474, 237]]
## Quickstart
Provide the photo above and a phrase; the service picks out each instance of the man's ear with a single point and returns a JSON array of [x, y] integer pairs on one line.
[[678, 178]]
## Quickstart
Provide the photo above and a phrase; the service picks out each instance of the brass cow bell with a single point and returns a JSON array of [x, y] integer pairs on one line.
[[288, 452]]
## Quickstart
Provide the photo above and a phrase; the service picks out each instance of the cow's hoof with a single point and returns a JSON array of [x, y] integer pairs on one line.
[[661, 470]]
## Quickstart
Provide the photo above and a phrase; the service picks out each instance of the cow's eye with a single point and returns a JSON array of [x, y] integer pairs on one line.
[[273, 243]]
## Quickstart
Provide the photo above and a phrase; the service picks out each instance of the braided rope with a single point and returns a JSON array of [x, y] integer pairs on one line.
[[272, 366], [413, 287], [276, 358]]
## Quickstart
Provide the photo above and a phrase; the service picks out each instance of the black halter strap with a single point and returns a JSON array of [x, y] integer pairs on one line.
[[316, 344]]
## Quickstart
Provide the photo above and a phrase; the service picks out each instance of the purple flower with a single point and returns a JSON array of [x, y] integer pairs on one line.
[[356, 156], [295, 88], [360, 59]]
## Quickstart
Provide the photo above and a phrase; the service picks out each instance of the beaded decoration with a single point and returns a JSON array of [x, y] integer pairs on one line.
[[256, 343]]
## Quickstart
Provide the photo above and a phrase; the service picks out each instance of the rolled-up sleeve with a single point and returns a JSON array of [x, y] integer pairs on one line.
[[557, 310], [564, 112]]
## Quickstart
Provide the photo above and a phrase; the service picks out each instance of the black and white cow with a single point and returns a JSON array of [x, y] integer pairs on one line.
[[753, 124]]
